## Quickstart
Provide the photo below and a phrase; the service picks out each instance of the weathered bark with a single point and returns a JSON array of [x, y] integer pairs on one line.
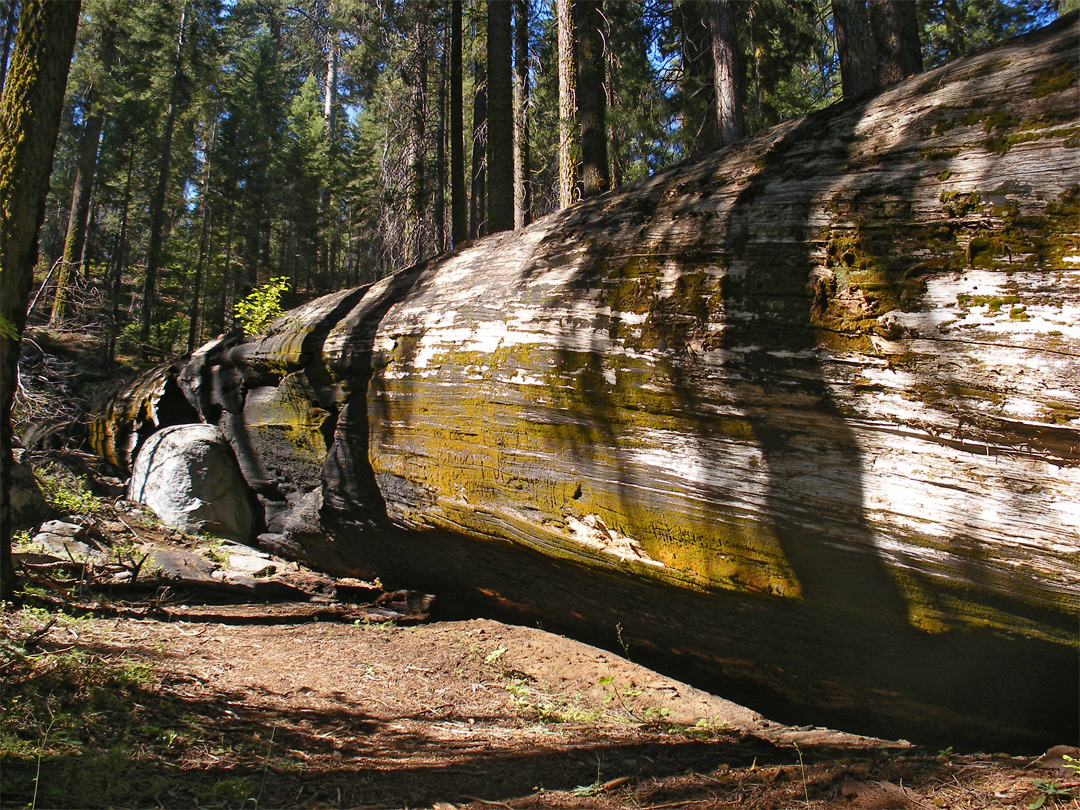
[[727, 73], [500, 116], [564, 22], [855, 48], [796, 422], [591, 96], [30, 110]]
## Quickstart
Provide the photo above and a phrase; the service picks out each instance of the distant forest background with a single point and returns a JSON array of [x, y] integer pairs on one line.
[[210, 147]]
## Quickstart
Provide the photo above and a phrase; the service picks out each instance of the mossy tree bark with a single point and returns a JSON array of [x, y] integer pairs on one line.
[[796, 421], [29, 122]]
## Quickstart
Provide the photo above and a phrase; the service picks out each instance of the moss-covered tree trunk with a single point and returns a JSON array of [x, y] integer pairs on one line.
[[29, 121], [796, 421]]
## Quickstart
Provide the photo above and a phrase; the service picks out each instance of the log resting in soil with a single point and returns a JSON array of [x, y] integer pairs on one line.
[[797, 422]]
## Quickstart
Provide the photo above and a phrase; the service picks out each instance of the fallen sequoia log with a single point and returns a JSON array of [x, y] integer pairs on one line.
[[797, 422]]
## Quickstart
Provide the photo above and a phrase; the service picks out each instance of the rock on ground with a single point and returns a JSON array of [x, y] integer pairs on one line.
[[187, 474]]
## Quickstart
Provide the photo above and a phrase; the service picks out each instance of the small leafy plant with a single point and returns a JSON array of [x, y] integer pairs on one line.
[[261, 306], [1047, 790]]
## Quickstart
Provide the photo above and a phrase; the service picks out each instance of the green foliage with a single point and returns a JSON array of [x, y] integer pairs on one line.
[[66, 491], [1048, 791], [259, 308]]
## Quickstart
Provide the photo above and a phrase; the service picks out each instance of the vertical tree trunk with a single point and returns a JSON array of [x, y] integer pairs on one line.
[[439, 198], [591, 98], [459, 206], [418, 180], [117, 263], [157, 205], [564, 20], [478, 207], [614, 136], [30, 110], [522, 156], [226, 271], [500, 104], [79, 214], [326, 202], [697, 85], [727, 72], [196, 292], [896, 40], [855, 48]]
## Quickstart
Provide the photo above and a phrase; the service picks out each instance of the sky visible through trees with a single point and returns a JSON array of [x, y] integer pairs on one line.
[[209, 146]]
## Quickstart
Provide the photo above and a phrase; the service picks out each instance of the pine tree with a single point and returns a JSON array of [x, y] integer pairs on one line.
[[727, 72], [75, 239], [500, 109], [459, 207], [591, 98], [855, 47], [522, 148], [567, 68]]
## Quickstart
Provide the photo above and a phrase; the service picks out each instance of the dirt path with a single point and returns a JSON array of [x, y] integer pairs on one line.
[[475, 714]]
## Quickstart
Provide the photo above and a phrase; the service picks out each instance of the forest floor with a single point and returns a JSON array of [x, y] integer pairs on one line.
[[146, 668], [135, 688]]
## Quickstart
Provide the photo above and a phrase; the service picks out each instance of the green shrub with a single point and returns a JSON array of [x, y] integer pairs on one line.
[[257, 310]]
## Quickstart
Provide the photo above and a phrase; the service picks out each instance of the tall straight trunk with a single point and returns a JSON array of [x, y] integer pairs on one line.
[[10, 19], [500, 103], [478, 207], [196, 292], [326, 202], [896, 40], [157, 205], [79, 213], [591, 98], [727, 73], [418, 178], [226, 271], [564, 22], [522, 157], [119, 254], [439, 198], [855, 48], [614, 136], [459, 205], [30, 110]]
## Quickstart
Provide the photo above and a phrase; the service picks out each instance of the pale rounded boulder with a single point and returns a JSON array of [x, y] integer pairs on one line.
[[188, 475]]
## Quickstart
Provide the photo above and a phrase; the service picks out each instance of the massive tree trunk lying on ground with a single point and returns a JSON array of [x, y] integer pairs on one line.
[[797, 421]]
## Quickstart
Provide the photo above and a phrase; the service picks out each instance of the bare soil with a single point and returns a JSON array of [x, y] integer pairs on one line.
[[227, 707]]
